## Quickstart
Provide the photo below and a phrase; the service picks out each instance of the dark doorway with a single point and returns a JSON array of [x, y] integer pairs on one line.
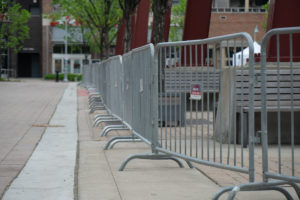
[[29, 65]]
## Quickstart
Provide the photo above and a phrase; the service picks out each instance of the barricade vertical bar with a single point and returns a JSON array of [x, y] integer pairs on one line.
[[264, 124], [159, 57], [185, 107], [221, 106], [181, 109], [207, 103], [175, 96], [214, 101], [230, 105], [170, 101], [292, 104], [241, 111], [197, 122], [202, 105], [166, 97], [191, 101], [278, 104], [251, 114], [234, 105]]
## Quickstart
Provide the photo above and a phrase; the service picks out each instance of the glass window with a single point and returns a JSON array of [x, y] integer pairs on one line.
[[35, 10], [68, 65], [58, 48], [76, 66]]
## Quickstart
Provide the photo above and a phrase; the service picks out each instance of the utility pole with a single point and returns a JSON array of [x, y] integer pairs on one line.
[[66, 52]]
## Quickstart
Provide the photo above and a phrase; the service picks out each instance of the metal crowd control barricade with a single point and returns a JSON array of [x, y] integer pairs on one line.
[[280, 90], [85, 76], [205, 103], [196, 100], [110, 84], [140, 92], [95, 101], [277, 89], [188, 120], [127, 108]]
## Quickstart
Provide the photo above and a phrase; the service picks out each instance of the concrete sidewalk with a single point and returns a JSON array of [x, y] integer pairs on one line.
[[99, 178], [26, 107], [51, 172]]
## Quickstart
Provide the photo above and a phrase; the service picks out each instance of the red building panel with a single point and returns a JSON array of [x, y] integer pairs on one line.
[[284, 13], [196, 26]]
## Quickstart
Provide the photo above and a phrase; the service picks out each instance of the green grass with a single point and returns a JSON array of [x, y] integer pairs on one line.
[[71, 77]]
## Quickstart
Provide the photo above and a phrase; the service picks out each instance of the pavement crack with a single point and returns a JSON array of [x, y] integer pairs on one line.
[[110, 169]]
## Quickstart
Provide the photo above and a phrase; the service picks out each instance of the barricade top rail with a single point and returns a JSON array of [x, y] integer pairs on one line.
[[111, 58], [211, 40], [275, 31]]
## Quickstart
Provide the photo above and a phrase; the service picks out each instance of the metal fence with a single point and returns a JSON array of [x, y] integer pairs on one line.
[[205, 107], [238, 10], [7, 73], [185, 102], [281, 104]]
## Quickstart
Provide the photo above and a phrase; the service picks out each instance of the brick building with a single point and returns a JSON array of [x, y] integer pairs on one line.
[[231, 16], [44, 52], [27, 63]]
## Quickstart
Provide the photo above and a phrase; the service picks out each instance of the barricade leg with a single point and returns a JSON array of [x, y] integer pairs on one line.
[[151, 156], [96, 108], [258, 186], [115, 140], [107, 120], [296, 188], [109, 128]]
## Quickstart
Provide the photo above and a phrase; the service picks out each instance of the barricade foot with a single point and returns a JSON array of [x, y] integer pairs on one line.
[[287, 195], [111, 143], [189, 164], [221, 192], [109, 128], [96, 108], [151, 156], [296, 188], [101, 115], [260, 186], [105, 119]]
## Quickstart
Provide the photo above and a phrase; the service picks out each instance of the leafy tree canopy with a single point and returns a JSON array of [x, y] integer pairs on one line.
[[177, 20], [97, 18], [13, 26]]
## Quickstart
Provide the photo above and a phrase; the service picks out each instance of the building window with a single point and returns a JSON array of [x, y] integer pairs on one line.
[[58, 65], [76, 66], [34, 8], [72, 49]]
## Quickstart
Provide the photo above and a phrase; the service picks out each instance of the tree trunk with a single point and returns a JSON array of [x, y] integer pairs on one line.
[[127, 34], [106, 27], [159, 8], [102, 41], [128, 6]]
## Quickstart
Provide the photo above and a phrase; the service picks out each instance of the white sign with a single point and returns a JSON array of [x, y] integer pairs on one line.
[[141, 85], [195, 92]]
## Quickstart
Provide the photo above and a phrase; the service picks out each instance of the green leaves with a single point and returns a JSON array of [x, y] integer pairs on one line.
[[97, 18], [177, 20], [13, 26]]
